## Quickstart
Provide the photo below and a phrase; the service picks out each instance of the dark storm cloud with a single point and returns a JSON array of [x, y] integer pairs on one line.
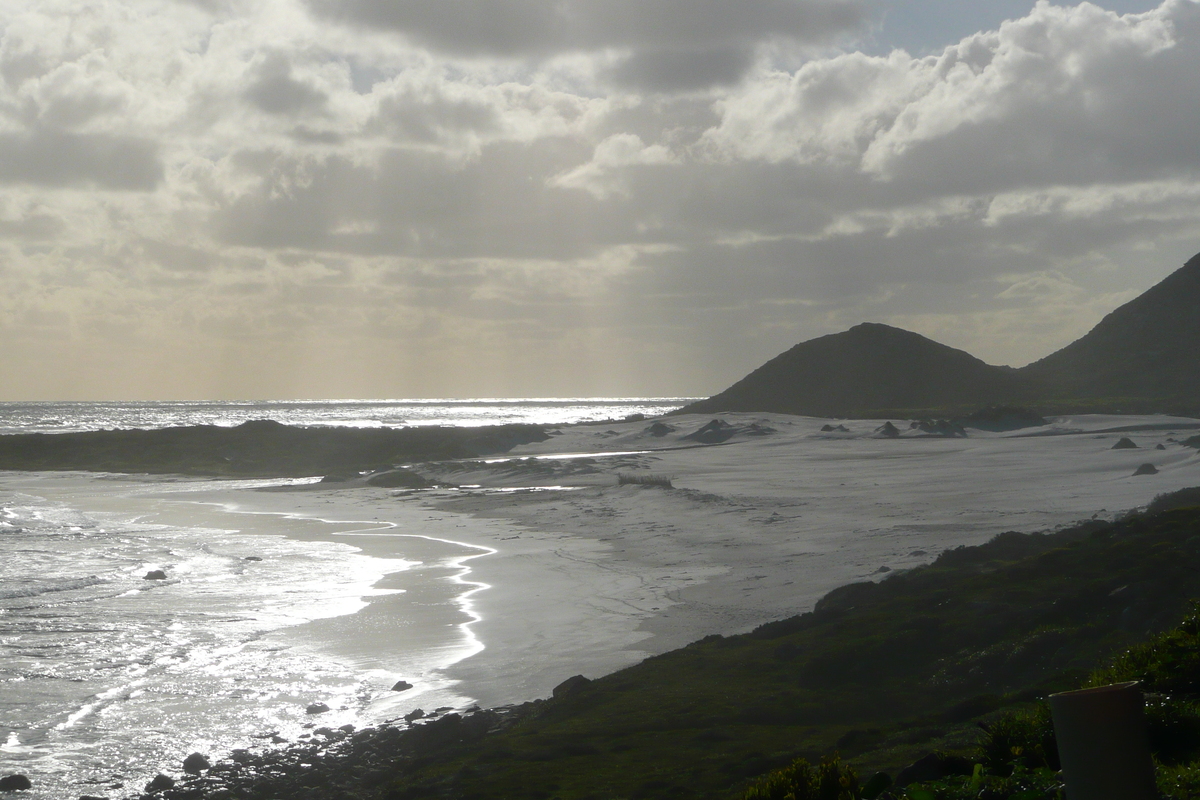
[[672, 44], [57, 158]]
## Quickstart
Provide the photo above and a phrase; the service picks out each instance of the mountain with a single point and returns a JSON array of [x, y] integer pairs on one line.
[[1147, 352], [871, 367], [1147, 348]]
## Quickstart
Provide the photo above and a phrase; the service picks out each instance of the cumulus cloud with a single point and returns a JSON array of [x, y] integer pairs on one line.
[[58, 158], [336, 198], [669, 44]]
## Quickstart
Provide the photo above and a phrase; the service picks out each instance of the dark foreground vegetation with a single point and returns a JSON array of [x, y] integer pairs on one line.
[[255, 449], [942, 666]]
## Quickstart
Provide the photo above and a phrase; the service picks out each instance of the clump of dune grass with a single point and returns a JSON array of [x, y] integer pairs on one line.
[[626, 479]]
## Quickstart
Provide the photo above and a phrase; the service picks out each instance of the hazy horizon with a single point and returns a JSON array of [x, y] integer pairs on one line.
[[323, 199]]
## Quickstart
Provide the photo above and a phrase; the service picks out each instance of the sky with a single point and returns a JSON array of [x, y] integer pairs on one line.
[[224, 199]]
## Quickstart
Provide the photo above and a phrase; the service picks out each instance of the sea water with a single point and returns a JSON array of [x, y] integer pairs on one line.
[[107, 677], [54, 417]]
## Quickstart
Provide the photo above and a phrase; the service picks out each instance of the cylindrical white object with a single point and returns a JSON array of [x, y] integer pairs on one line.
[[1102, 743]]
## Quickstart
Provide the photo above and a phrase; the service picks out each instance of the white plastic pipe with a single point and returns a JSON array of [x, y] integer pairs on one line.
[[1102, 743]]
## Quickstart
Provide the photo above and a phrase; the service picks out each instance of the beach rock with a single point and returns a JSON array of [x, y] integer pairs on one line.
[[888, 430], [659, 429], [316, 708], [347, 728], [1160, 446], [251, 558], [1124, 443], [195, 763], [91, 797], [160, 783], [827, 428], [401, 686], [570, 686], [15, 783], [714, 432], [932, 767], [414, 715], [1146, 469], [155, 575], [940, 427]]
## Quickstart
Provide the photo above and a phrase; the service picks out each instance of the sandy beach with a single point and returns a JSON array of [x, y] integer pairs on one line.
[[539, 566], [522, 570]]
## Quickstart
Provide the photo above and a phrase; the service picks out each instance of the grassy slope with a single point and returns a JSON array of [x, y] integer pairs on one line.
[[888, 670]]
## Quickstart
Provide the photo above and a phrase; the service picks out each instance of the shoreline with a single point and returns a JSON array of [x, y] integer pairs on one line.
[[756, 529]]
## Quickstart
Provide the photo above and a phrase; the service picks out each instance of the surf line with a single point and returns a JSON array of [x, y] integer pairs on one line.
[[464, 601]]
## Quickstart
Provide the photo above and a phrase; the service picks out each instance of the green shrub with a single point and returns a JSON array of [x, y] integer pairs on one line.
[[1022, 784], [1168, 663], [1174, 729], [1019, 738], [831, 780]]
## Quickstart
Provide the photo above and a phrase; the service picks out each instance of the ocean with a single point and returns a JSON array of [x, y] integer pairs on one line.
[[107, 677]]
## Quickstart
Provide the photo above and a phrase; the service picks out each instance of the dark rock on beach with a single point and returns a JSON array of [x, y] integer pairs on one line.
[[888, 430], [1146, 469], [316, 708], [155, 575], [195, 763], [1124, 443], [659, 429], [160, 783], [401, 686], [15, 783], [714, 432], [414, 715]]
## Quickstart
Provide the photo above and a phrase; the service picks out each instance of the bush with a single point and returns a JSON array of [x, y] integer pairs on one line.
[[1169, 663], [831, 780], [1019, 738]]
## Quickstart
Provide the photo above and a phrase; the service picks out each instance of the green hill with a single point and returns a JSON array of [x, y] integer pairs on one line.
[[1141, 358]]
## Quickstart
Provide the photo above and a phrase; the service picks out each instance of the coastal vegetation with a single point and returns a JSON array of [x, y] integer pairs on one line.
[[943, 665], [261, 448]]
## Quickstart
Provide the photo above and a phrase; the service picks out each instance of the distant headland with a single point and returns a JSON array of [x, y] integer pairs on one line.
[[1141, 358]]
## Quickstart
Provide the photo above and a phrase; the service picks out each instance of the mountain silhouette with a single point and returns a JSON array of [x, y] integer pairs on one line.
[[867, 368], [1148, 350]]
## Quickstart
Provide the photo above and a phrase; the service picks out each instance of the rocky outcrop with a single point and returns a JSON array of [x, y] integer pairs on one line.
[[15, 783], [195, 764], [1124, 443]]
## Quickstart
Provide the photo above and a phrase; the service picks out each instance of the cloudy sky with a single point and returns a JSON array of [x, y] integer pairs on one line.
[[424, 198]]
